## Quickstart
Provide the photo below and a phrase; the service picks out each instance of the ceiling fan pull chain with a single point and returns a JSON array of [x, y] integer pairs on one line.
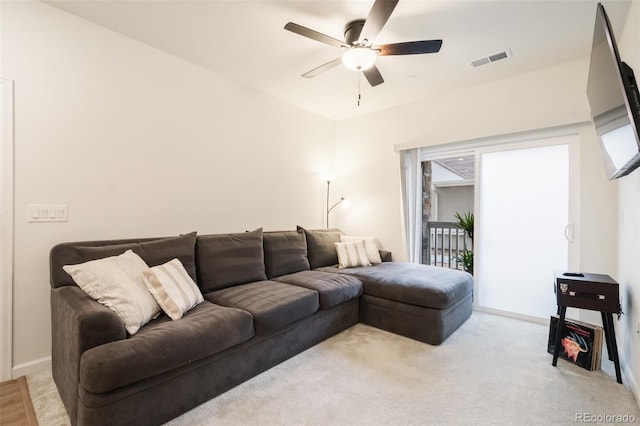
[[359, 93]]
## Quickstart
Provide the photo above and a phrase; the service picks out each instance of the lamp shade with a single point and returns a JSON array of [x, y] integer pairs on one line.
[[359, 58]]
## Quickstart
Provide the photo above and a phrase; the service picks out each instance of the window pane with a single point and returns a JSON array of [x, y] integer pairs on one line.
[[523, 211]]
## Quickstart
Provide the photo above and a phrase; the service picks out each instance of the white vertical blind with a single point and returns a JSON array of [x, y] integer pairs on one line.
[[521, 217], [412, 202]]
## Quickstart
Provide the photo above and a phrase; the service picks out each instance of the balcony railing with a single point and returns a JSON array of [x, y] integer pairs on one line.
[[444, 244]]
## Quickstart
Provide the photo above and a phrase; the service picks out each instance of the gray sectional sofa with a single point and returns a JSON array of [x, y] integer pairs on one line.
[[267, 297]]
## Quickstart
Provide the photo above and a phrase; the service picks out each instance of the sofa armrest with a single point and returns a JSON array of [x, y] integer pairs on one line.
[[78, 323], [385, 255]]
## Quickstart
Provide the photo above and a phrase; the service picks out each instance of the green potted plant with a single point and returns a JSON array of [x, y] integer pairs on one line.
[[465, 222], [467, 260]]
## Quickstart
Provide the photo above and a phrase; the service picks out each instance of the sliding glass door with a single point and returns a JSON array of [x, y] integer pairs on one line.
[[522, 226]]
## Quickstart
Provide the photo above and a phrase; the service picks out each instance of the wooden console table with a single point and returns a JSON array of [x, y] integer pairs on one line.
[[595, 292]]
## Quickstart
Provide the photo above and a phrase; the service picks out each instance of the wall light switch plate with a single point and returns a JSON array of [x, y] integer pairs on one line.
[[47, 213]]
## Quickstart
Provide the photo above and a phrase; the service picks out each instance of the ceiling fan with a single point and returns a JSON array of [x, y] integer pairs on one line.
[[360, 53]]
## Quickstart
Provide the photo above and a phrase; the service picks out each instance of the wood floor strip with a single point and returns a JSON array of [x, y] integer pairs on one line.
[[15, 403]]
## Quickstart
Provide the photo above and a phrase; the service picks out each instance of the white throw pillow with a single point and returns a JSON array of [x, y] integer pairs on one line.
[[370, 244], [351, 254], [117, 282], [173, 288]]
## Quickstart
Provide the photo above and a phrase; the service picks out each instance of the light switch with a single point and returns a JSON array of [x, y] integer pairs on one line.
[[47, 213]]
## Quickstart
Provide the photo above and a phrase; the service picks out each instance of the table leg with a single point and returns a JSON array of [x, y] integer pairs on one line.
[[605, 326], [559, 330], [610, 336]]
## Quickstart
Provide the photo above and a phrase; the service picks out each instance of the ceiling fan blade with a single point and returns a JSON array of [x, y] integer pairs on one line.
[[314, 35], [373, 76], [322, 68], [378, 16], [409, 48]]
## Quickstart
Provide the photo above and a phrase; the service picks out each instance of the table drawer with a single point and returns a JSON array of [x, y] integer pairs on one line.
[[588, 295]]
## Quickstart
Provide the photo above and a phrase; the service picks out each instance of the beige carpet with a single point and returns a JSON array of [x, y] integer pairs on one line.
[[492, 371]]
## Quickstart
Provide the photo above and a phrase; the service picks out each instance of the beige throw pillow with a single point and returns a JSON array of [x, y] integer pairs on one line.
[[117, 282], [351, 254], [173, 288], [370, 244]]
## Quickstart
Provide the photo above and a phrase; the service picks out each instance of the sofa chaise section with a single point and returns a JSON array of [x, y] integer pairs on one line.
[[426, 303], [423, 302]]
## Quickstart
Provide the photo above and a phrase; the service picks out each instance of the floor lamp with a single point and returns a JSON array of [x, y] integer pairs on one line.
[[334, 205]]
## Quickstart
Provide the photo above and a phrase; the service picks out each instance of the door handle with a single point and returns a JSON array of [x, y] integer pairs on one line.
[[568, 232]]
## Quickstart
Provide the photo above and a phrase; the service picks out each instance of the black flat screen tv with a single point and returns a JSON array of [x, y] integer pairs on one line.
[[615, 102]]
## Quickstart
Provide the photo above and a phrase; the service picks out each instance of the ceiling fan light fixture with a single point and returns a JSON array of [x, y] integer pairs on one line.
[[359, 58]]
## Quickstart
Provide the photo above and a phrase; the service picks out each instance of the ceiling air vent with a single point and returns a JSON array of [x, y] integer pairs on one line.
[[491, 58]]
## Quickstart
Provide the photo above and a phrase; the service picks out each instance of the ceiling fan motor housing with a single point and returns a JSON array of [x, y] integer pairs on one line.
[[352, 31]]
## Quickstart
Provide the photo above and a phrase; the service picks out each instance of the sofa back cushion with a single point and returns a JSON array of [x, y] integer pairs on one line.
[[321, 249], [225, 260], [285, 252], [154, 251]]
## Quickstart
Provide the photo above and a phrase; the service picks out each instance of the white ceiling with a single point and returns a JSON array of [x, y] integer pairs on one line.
[[246, 42]]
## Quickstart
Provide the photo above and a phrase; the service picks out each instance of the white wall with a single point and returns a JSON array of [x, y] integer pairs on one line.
[[629, 223], [140, 143], [452, 200]]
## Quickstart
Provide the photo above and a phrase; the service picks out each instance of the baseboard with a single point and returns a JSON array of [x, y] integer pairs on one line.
[[513, 315], [31, 367], [629, 380]]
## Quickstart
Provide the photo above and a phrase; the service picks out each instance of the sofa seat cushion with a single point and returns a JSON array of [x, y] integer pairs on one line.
[[163, 345], [273, 305], [333, 288], [421, 285]]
